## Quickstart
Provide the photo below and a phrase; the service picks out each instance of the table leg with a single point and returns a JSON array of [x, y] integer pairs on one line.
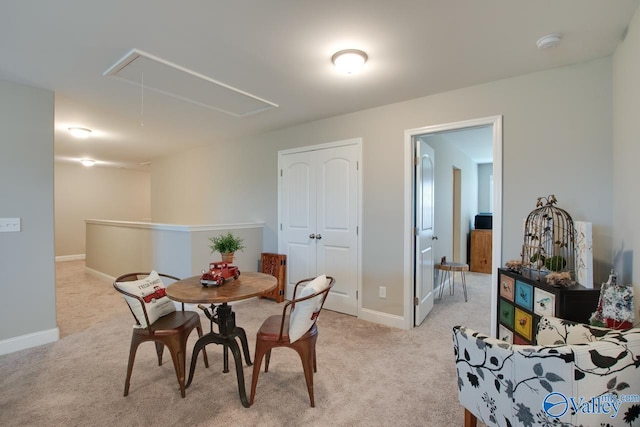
[[226, 326], [227, 342], [442, 274], [242, 335], [464, 286], [209, 338], [452, 282], [228, 332], [237, 357]]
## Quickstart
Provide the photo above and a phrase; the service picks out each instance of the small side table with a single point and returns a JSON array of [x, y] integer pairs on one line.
[[448, 271], [275, 265]]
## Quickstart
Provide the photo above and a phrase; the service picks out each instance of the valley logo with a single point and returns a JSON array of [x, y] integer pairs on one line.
[[557, 404]]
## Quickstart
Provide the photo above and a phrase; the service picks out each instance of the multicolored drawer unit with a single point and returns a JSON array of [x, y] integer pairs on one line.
[[525, 297]]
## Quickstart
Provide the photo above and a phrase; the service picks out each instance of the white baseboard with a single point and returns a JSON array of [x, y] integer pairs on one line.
[[100, 275], [386, 319], [70, 257], [34, 339]]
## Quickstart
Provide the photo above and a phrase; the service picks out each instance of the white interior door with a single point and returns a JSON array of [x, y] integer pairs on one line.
[[319, 220], [298, 216], [337, 221], [424, 208]]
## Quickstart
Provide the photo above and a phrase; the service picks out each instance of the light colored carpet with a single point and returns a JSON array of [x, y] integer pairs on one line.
[[368, 375]]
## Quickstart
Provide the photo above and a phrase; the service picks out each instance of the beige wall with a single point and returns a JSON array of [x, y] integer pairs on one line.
[[556, 140], [447, 156], [27, 274], [626, 152], [119, 247], [96, 192], [485, 202]]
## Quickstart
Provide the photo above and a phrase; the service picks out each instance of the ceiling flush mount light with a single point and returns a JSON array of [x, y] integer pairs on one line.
[[349, 60], [80, 132], [88, 162], [550, 40]]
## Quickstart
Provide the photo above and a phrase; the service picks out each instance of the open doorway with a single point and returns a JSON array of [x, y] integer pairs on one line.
[[493, 125]]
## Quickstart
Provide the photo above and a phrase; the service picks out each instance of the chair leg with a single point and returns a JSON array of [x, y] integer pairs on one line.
[[313, 348], [260, 352], [177, 350], [159, 350], [305, 350], [132, 356], [315, 362], [267, 360], [470, 420]]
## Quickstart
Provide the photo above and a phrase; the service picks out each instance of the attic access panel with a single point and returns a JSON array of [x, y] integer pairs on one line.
[[154, 73]]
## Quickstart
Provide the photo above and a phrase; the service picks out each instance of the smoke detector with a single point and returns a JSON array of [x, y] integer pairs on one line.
[[550, 40]]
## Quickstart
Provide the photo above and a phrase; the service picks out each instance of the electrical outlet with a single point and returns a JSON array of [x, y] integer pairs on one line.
[[383, 292], [9, 224]]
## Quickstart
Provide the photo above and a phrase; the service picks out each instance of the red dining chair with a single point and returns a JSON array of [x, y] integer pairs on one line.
[[171, 328], [295, 328]]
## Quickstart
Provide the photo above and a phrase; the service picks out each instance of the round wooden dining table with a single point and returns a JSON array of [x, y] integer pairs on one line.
[[248, 285]]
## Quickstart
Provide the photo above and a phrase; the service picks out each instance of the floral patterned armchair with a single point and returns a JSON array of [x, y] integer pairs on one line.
[[577, 375]]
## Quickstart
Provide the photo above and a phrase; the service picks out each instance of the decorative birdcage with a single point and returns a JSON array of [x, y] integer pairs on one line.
[[549, 239]]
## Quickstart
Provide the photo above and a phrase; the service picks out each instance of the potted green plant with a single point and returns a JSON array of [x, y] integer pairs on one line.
[[227, 244]]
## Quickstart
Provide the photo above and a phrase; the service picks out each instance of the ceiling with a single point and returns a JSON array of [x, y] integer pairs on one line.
[[475, 142], [279, 51]]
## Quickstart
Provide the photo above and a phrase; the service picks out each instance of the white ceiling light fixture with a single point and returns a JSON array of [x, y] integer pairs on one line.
[[349, 60], [88, 162], [550, 40], [80, 132]]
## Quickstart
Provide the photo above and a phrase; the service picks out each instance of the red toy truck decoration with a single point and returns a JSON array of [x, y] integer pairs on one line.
[[219, 273], [158, 292]]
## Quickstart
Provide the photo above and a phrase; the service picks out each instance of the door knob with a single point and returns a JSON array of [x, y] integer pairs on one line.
[[312, 236], [318, 236], [434, 238]]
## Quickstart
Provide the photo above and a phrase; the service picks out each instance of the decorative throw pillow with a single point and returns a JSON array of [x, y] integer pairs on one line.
[[304, 313], [152, 291]]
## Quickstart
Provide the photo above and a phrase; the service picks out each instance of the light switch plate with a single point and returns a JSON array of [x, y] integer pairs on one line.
[[9, 224]]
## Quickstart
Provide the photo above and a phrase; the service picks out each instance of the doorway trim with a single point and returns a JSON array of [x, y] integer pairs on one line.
[[409, 259], [457, 202]]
